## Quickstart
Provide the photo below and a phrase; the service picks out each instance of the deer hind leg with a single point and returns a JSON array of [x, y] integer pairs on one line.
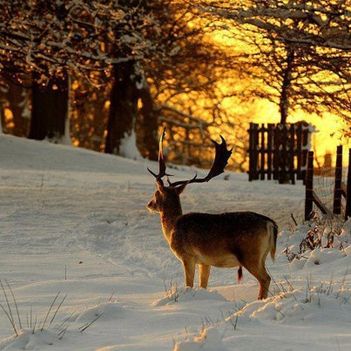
[[189, 272], [265, 277], [264, 281], [204, 273], [258, 270]]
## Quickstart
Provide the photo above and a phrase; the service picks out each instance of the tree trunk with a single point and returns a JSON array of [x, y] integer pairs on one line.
[[1, 116], [124, 106], [129, 86], [148, 124], [49, 109], [16, 96], [286, 84], [284, 161]]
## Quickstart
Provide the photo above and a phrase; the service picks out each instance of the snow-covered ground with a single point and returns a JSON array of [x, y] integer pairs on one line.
[[73, 222]]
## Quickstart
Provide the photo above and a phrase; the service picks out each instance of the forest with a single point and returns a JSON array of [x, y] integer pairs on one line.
[[109, 75]]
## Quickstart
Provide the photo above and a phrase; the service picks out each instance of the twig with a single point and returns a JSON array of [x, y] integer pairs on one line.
[[66, 320], [57, 309], [86, 326], [31, 316], [235, 324], [330, 287], [35, 324], [15, 303], [9, 318], [9, 314], [49, 310], [62, 333], [293, 218]]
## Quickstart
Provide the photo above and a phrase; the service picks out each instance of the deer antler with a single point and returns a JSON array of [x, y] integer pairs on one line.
[[161, 161], [219, 163]]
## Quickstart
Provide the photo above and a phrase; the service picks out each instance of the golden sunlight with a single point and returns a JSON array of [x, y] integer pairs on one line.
[[329, 127], [328, 133]]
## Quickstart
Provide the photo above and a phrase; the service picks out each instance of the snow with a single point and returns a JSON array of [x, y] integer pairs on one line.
[[128, 147], [74, 222]]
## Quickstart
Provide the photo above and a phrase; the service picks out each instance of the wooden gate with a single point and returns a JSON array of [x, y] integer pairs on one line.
[[279, 151]]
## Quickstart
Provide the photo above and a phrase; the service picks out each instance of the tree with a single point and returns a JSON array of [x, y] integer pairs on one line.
[[15, 104], [52, 40], [302, 51], [185, 78], [89, 113], [157, 55], [123, 108], [49, 109], [129, 79], [180, 68]]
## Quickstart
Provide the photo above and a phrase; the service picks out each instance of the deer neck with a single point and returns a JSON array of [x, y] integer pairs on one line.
[[168, 220]]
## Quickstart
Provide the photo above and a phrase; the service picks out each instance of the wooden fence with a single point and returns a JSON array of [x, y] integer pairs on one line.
[[188, 137], [341, 189], [278, 151]]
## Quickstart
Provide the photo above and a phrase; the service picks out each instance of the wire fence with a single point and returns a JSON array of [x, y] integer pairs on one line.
[[329, 188], [324, 186]]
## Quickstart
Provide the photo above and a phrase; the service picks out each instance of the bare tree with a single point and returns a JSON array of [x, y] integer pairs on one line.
[[299, 50], [53, 40], [155, 59]]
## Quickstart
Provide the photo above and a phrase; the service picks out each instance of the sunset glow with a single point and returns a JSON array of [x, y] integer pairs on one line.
[[327, 136]]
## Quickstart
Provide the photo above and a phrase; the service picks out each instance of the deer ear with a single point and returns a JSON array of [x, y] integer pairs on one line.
[[180, 189]]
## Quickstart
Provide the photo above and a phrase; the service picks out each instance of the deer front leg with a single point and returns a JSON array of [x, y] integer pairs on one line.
[[204, 273], [189, 272]]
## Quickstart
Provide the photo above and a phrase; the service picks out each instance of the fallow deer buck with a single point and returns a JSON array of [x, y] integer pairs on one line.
[[233, 239]]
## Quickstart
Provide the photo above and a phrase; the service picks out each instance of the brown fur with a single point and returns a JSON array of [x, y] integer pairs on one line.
[[236, 239]]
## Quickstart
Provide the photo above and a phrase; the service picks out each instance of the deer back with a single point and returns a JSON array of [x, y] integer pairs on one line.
[[216, 235]]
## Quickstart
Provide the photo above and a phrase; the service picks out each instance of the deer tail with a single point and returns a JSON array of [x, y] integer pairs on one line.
[[273, 235], [240, 274]]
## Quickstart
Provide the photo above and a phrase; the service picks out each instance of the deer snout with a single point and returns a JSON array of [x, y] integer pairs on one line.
[[151, 206]]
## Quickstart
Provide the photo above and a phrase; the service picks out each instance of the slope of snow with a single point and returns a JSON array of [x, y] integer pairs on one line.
[[74, 222]]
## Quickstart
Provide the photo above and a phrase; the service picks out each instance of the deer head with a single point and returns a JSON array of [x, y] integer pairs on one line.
[[167, 197]]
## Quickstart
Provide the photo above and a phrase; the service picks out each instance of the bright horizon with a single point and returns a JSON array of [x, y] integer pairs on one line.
[[328, 133]]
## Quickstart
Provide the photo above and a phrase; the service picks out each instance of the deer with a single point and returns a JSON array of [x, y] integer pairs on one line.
[[227, 240]]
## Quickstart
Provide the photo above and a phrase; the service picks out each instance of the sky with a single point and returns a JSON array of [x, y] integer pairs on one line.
[[328, 133], [329, 127]]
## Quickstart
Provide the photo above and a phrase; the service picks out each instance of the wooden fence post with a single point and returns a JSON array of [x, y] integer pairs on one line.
[[304, 151], [251, 158], [283, 154], [348, 190], [276, 152], [269, 150], [256, 151], [262, 151], [338, 180], [309, 186], [299, 151], [253, 151], [292, 154]]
